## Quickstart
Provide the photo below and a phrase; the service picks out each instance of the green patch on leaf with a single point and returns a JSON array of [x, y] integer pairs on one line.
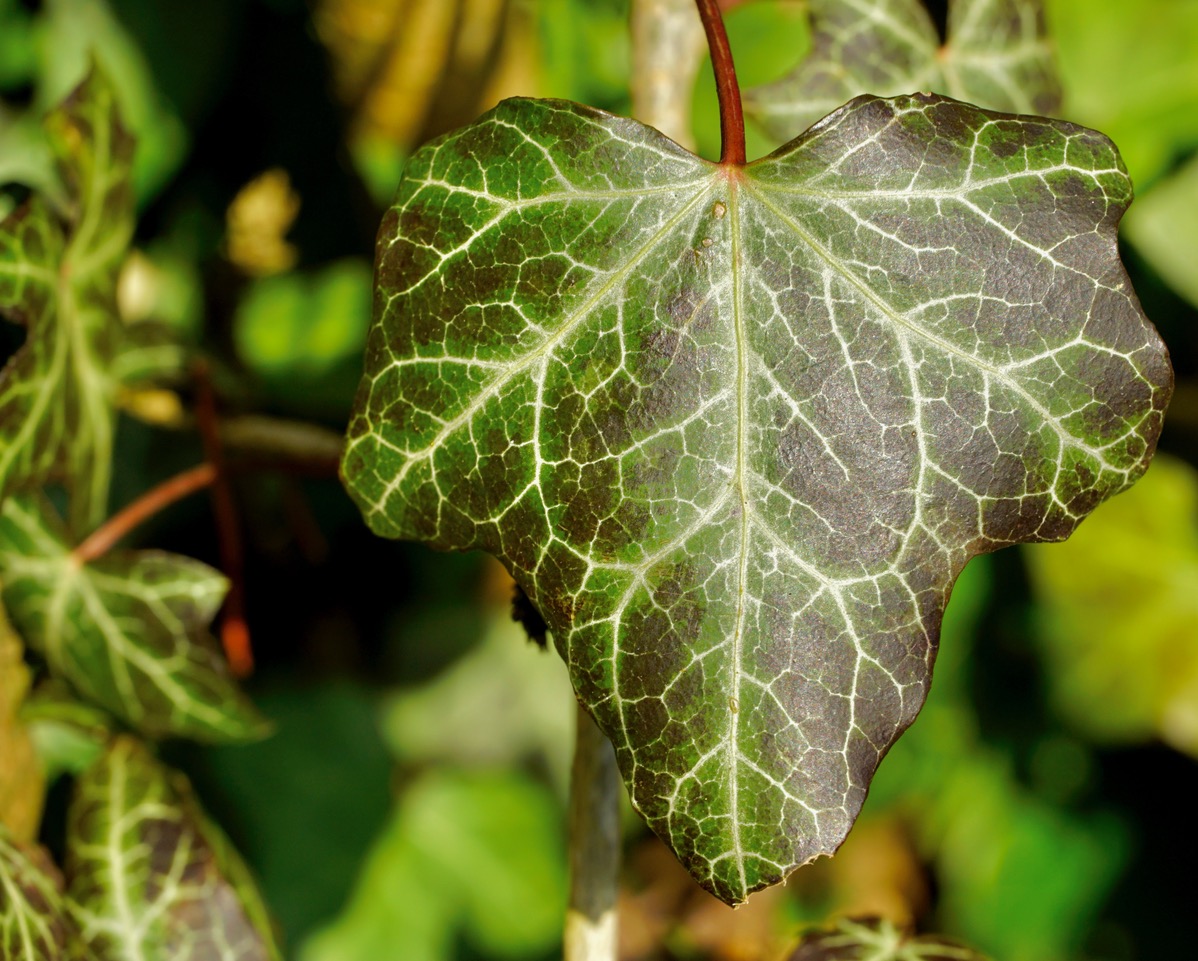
[[735, 431], [996, 55], [128, 631], [34, 924], [148, 876]]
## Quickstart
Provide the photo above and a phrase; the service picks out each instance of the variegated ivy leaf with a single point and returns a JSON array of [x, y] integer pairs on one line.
[[735, 431], [129, 631], [996, 56], [58, 275], [879, 941], [34, 924], [149, 877]]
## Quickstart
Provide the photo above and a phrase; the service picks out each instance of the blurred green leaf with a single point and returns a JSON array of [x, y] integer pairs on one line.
[[1163, 225], [1129, 70], [1120, 607], [303, 334], [479, 854], [879, 941], [324, 776], [68, 734], [34, 925], [128, 631], [585, 52], [56, 415], [148, 876], [74, 33], [996, 56], [16, 45], [504, 701]]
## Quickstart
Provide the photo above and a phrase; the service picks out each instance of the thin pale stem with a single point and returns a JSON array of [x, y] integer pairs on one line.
[[732, 117], [594, 846], [667, 50], [104, 537]]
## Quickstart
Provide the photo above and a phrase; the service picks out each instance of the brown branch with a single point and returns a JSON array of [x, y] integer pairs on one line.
[[234, 633], [732, 117], [105, 537]]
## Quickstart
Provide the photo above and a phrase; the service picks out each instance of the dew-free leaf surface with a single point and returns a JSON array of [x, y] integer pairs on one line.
[[996, 55], [735, 431], [148, 876], [58, 280], [34, 925], [22, 780], [129, 631]]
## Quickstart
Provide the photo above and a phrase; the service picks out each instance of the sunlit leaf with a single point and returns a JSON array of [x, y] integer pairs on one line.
[[996, 56], [22, 780], [34, 925], [1121, 613], [128, 631], [148, 876], [735, 431], [879, 941], [56, 414]]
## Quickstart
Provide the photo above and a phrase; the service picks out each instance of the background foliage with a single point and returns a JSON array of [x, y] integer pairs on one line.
[[410, 801]]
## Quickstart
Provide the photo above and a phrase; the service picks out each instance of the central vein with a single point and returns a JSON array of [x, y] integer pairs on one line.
[[742, 474]]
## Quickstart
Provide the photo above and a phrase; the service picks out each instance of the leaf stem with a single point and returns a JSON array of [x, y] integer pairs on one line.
[[104, 537], [594, 846], [732, 117], [234, 633]]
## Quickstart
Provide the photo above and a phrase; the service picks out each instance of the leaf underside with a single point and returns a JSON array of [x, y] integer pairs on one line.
[[147, 875], [996, 55], [735, 431], [128, 631]]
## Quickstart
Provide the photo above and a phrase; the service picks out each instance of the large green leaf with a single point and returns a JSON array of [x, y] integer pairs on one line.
[[878, 941], [148, 877], [736, 431], [128, 631], [996, 55], [59, 281], [34, 925]]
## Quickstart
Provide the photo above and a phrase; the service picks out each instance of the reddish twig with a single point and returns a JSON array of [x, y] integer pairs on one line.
[[732, 117], [104, 537], [234, 633]]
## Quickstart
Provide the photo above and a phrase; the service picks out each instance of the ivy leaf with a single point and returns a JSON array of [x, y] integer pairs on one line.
[[735, 431], [879, 941], [59, 281], [34, 925], [148, 876], [997, 55], [128, 631]]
